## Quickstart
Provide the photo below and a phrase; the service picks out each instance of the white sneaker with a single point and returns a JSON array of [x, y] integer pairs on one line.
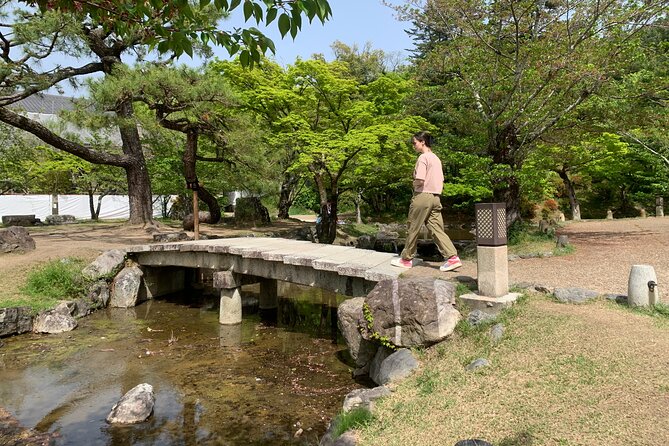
[[402, 263]]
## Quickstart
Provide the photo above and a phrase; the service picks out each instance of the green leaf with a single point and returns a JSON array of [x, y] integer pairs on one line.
[[257, 12], [297, 19], [204, 3], [270, 45], [163, 46], [284, 24], [234, 4], [248, 10], [244, 58], [271, 15], [188, 47]]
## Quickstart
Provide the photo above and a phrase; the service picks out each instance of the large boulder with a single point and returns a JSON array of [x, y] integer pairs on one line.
[[249, 210], [126, 288], [99, 294], [134, 407], [394, 367], [20, 220], [16, 239], [188, 223], [106, 264], [350, 319], [411, 312], [15, 320], [59, 219], [53, 322]]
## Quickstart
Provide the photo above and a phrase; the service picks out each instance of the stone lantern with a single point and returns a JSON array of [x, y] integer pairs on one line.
[[492, 262]]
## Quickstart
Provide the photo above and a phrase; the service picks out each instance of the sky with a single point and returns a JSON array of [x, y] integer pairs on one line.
[[352, 22]]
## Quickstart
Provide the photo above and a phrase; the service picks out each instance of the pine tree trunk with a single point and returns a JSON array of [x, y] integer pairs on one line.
[[511, 197], [326, 229], [190, 173], [139, 184], [358, 213], [139, 194]]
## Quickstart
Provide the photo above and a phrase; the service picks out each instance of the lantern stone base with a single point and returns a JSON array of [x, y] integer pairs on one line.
[[489, 305], [493, 270]]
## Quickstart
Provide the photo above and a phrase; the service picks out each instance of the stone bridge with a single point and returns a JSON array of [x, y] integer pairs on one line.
[[239, 261]]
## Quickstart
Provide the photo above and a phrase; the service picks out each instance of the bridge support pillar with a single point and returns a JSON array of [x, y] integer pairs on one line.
[[231, 306], [269, 294], [230, 284]]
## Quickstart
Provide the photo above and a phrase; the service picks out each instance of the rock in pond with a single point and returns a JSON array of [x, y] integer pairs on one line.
[[134, 407]]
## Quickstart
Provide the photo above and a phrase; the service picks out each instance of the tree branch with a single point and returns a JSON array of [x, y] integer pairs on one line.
[[82, 151]]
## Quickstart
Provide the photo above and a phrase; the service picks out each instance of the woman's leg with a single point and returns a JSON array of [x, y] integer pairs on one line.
[[418, 213], [435, 224]]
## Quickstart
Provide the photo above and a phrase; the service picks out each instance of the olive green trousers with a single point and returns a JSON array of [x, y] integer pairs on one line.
[[426, 209]]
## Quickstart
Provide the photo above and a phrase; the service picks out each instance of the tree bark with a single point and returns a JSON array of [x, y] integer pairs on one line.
[[287, 194], [505, 145], [189, 160], [140, 199], [326, 228], [91, 206], [511, 197], [571, 192], [358, 213], [326, 231]]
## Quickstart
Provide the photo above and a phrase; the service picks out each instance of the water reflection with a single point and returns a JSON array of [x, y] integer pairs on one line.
[[252, 383]]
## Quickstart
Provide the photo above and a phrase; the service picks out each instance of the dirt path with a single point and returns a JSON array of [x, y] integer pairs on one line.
[[605, 251]]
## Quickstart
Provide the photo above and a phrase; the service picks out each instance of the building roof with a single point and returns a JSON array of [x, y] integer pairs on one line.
[[48, 104]]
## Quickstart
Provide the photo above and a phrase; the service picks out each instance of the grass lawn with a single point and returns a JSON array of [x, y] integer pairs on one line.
[[593, 374]]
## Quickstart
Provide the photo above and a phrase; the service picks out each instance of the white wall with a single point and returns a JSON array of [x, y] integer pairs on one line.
[[113, 206]]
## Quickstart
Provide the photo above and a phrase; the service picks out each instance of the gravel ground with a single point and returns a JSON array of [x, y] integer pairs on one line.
[[605, 250]]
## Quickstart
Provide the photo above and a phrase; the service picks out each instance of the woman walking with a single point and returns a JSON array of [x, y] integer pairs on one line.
[[428, 182]]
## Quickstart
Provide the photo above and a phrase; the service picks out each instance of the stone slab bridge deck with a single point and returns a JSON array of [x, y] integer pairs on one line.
[[238, 261]]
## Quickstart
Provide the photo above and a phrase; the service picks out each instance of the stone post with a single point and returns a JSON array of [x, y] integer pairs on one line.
[[642, 287], [230, 284], [231, 306], [54, 204], [659, 207], [609, 214], [230, 335]]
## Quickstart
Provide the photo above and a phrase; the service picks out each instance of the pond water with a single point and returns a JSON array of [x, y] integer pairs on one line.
[[250, 384]]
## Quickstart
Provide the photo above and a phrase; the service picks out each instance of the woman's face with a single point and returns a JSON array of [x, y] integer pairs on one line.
[[418, 146]]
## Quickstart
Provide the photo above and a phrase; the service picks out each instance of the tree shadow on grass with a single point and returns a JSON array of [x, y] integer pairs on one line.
[[520, 439]]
